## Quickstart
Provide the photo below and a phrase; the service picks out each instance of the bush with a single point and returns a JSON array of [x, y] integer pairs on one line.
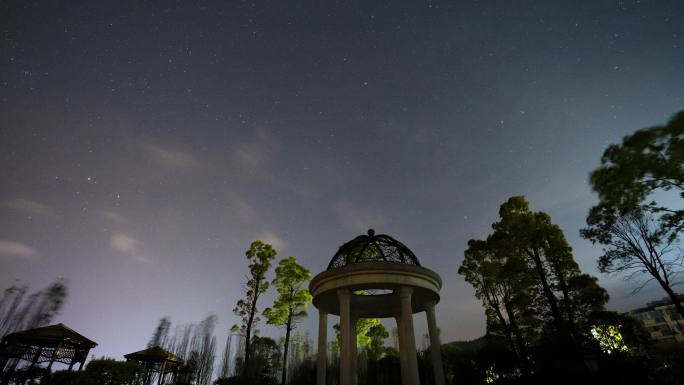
[[107, 371], [64, 377]]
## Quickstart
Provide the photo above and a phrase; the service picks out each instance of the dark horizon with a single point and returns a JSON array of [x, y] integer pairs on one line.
[[145, 146]]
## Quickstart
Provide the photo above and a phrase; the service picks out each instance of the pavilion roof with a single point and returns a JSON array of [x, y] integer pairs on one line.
[[153, 354], [50, 336]]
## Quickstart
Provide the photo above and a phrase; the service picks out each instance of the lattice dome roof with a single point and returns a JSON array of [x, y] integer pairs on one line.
[[373, 248]]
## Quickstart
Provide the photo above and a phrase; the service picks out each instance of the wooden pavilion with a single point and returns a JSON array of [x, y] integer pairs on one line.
[[54, 343], [157, 360]]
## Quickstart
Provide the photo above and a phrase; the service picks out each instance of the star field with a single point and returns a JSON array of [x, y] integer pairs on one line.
[[144, 145]]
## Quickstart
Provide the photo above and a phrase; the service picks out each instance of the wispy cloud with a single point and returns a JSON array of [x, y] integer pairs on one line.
[[141, 259], [272, 239], [129, 246], [12, 249], [358, 217], [124, 243], [171, 158], [30, 207], [561, 194], [253, 154], [244, 210], [111, 216]]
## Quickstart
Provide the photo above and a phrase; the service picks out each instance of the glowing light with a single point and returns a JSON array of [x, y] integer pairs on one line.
[[609, 338]]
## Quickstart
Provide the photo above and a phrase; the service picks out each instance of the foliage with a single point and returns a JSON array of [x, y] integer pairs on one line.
[[530, 285], [363, 326], [161, 333], [225, 370], [636, 245], [204, 350], [634, 337], [107, 371], [376, 346], [19, 312], [301, 362], [64, 377], [259, 256], [609, 338], [291, 303], [473, 362], [646, 162], [267, 359], [503, 282]]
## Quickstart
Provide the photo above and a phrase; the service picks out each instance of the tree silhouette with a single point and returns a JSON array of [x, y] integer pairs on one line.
[[18, 312], [648, 161], [636, 245], [529, 282], [161, 333], [259, 256], [504, 283]]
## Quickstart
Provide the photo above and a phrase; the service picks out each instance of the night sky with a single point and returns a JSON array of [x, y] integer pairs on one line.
[[144, 145]]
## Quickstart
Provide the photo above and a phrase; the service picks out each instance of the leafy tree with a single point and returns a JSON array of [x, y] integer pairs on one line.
[[526, 276], [160, 335], [503, 282], [587, 297], [636, 245], [290, 305], [646, 162], [363, 325], [266, 364], [377, 335], [259, 256], [528, 233]]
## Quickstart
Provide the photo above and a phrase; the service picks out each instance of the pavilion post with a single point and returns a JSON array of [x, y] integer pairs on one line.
[[406, 333], [402, 358], [161, 373], [80, 366], [435, 344], [54, 355], [353, 352], [322, 357], [36, 357], [345, 332]]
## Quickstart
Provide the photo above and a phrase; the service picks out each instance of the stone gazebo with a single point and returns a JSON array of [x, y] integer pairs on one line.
[[376, 276]]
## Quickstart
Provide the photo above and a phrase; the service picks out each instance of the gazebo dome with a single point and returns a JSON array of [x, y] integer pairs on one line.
[[372, 248]]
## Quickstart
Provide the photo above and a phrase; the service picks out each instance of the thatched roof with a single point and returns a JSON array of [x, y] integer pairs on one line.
[[50, 336]]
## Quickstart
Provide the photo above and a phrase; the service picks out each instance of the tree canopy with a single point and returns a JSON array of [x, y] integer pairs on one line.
[[259, 255], [291, 302], [529, 283], [648, 161]]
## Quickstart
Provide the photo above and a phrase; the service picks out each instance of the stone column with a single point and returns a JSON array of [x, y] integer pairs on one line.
[[406, 334], [322, 358], [402, 349], [435, 344], [353, 352], [345, 330]]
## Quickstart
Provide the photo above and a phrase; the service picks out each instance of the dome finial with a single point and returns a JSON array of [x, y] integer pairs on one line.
[[371, 232]]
